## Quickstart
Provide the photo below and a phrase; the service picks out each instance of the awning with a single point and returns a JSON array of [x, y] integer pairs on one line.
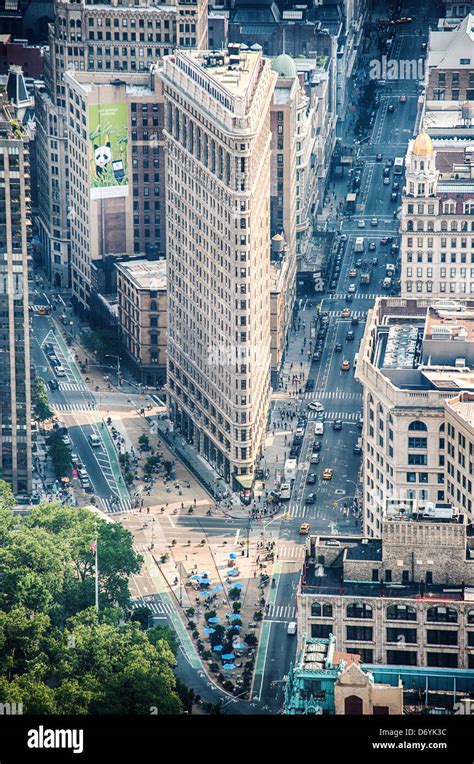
[[246, 481]]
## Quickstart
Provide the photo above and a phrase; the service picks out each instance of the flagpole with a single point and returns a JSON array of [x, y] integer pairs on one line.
[[96, 573]]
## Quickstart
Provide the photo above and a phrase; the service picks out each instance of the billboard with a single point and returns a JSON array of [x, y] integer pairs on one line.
[[108, 136]]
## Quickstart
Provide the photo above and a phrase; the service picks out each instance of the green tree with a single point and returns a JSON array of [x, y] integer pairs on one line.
[[40, 401], [60, 454]]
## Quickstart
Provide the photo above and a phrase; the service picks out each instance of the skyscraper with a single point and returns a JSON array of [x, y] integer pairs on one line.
[[217, 127], [15, 405]]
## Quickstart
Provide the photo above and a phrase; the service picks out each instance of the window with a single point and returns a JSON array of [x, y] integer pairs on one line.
[[417, 426], [358, 610], [401, 613], [401, 657], [321, 630], [449, 660], [318, 610], [359, 633], [402, 636], [442, 614], [417, 443], [441, 637], [417, 459]]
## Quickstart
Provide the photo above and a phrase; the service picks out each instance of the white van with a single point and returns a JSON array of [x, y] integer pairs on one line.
[[94, 440], [291, 629], [285, 491], [387, 283], [60, 371], [319, 428]]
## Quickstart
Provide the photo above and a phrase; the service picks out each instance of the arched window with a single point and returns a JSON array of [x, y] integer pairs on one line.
[[441, 614], [417, 426], [442, 427], [318, 610], [401, 613], [470, 616], [153, 305], [359, 610], [380, 409]]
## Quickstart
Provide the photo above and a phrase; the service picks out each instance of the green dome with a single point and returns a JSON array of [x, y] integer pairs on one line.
[[284, 66]]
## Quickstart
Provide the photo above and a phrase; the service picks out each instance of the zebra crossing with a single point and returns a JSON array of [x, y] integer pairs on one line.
[[357, 296], [73, 387], [333, 395], [36, 308], [290, 552], [344, 416], [360, 314], [72, 406], [157, 607], [281, 612], [117, 505]]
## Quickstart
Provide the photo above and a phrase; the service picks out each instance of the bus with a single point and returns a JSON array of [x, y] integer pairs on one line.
[[398, 166]]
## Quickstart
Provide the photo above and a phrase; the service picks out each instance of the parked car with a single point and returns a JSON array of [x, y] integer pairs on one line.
[[310, 385], [311, 479]]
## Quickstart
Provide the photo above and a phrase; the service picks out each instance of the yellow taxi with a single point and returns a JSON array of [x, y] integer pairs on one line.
[[345, 365], [304, 529], [345, 313], [327, 474]]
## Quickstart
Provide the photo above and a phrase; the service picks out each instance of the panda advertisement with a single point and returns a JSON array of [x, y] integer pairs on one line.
[[108, 126]]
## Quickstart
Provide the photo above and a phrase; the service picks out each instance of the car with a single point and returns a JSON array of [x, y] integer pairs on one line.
[[403, 99], [343, 237], [327, 474], [345, 313], [372, 246], [304, 529], [295, 452], [378, 157], [311, 479], [345, 365], [353, 273], [310, 498], [396, 186], [317, 445], [316, 356], [82, 473], [386, 239], [299, 432], [66, 440], [386, 181], [94, 440], [391, 108], [354, 322], [423, 46], [291, 628], [360, 424], [54, 361], [60, 371], [53, 385], [374, 222], [337, 424], [338, 347], [386, 172], [351, 289], [361, 224], [394, 196], [395, 248], [358, 262], [48, 347], [76, 462], [357, 449], [310, 385], [375, 261], [333, 286], [315, 406], [315, 459], [349, 297], [350, 335], [319, 348]]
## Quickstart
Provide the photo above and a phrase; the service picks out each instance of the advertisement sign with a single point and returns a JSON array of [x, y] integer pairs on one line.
[[108, 126]]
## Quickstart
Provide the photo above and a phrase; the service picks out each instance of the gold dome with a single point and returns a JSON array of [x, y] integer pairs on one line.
[[423, 145]]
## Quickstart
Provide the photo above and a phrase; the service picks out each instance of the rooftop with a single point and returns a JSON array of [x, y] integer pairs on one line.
[[463, 405], [446, 50], [145, 274]]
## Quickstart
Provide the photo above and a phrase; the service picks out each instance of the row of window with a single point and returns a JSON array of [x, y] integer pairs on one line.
[[395, 612]]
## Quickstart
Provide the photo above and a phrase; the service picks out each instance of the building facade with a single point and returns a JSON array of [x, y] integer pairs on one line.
[[15, 235], [404, 600], [142, 318], [116, 37], [217, 109]]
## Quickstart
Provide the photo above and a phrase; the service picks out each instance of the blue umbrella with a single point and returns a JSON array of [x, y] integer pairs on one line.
[[214, 620], [217, 588], [234, 627], [234, 616], [204, 594], [238, 646], [195, 578], [237, 586], [233, 556], [208, 630], [228, 657], [218, 648], [228, 666]]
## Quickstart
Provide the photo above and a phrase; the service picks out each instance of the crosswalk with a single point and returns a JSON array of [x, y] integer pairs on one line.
[[360, 314], [281, 612], [73, 387], [72, 406], [119, 505], [333, 395], [35, 308], [290, 552], [357, 296], [344, 416], [157, 607]]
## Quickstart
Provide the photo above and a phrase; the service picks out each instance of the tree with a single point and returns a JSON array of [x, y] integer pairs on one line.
[[40, 401], [60, 454], [144, 442]]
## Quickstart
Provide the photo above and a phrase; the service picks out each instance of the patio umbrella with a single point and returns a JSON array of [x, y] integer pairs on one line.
[[214, 620], [228, 657], [239, 645], [228, 666], [233, 556], [204, 594], [208, 630], [234, 616], [195, 578], [237, 586], [218, 648], [234, 627], [217, 588]]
